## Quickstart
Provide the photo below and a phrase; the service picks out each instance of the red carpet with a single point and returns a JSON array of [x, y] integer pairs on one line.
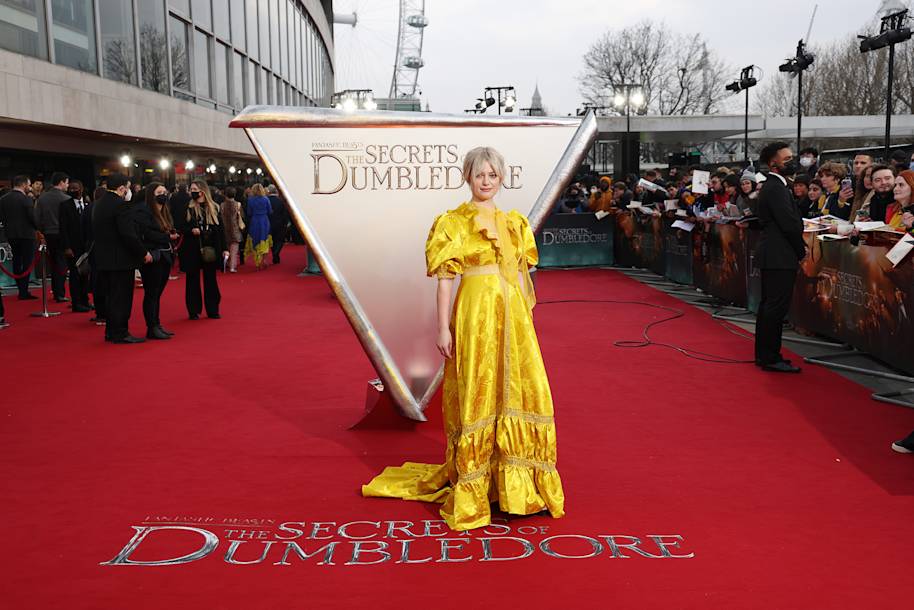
[[783, 487]]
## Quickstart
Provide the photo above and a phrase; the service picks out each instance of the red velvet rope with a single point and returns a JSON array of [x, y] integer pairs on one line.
[[25, 273]]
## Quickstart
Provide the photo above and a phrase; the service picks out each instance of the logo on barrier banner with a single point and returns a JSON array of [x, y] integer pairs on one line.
[[365, 188]]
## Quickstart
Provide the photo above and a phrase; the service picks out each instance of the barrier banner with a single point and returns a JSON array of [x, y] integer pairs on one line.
[[719, 262], [575, 240], [677, 248], [754, 279], [852, 294], [639, 242]]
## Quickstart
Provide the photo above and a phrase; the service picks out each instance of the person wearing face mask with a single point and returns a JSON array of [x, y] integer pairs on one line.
[[158, 233], [202, 251], [118, 251], [781, 248], [74, 228], [809, 161]]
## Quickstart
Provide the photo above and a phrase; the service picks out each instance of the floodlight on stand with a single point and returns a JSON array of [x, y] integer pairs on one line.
[[349, 105], [489, 101], [637, 99], [619, 100], [370, 104]]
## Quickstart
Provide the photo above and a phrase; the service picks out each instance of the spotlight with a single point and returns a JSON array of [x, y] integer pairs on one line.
[[164, 163], [619, 100], [338, 106], [126, 160], [349, 104], [370, 104], [259, 171], [232, 169], [212, 168], [189, 165], [637, 99], [249, 171]]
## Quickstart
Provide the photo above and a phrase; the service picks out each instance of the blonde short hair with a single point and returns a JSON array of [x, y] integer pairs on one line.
[[474, 160]]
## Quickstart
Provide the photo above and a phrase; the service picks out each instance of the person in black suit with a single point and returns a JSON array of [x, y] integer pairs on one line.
[[279, 221], [74, 220], [118, 252], [17, 213], [158, 232], [202, 251], [781, 248]]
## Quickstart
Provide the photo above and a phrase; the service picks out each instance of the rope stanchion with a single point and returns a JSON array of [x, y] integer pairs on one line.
[[26, 273], [44, 313]]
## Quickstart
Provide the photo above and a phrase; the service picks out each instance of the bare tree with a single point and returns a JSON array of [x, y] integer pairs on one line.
[[678, 73], [120, 61], [153, 58]]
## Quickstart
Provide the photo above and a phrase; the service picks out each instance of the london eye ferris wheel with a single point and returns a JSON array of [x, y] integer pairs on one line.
[[372, 35]]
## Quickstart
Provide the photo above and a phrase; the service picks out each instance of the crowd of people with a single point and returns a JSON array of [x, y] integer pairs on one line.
[[101, 243], [857, 191]]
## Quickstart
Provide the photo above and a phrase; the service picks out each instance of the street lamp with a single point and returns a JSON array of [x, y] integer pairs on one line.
[[506, 99], [795, 66], [627, 96], [746, 81], [893, 30]]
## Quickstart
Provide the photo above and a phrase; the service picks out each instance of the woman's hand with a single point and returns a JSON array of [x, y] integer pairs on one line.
[[445, 343], [195, 231], [173, 236], [908, 220]]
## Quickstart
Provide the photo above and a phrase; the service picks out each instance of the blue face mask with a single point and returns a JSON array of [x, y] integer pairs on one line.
[[911, 167]]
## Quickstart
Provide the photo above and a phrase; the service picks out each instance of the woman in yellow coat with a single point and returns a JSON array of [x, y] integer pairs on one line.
[[498, 414]]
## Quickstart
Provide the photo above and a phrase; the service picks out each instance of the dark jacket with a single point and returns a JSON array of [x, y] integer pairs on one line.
[[210, 235], [781, 245], [118, 246], [834, 208], [74, 227], [155, 240], [47, 210], [17, 213], [279, 217]]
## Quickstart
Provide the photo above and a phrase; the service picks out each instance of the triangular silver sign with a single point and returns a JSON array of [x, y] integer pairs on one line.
[[364, 189]]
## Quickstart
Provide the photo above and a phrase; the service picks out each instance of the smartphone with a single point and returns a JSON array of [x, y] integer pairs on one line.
[[846, 183]]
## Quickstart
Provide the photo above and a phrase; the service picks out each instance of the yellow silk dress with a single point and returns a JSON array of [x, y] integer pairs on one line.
[[498, 413]]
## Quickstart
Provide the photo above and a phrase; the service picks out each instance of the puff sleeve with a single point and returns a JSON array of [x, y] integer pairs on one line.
[[530, 253], [443, 256]]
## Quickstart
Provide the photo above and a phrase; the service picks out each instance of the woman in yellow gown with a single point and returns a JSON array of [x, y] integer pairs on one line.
[[498, 414]]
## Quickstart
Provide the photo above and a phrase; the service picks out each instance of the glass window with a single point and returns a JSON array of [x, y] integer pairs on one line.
[[238, 24], [221, 75], [221, 19], [268, 84], [22, 28], [238, 89], [180, 59], [250, 11], [153, 61], [262, 87], [73, 23], [264, 21], [283, 39], [250, 84], [202, 13], [180, 5], [118, 41], [202, 63], [275, 59], [280, 100]]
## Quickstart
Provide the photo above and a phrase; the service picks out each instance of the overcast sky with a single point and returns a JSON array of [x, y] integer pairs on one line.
[[471, 44]]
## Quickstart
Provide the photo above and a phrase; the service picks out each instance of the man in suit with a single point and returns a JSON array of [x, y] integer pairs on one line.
[[279, 221], [119, 251], [73, 224], [781, 248], [17, 213]]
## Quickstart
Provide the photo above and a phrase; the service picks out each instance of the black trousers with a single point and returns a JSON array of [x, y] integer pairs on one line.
[[777, 292], [23, 253], [279, 240], [99, 297], [155, 279], [118, 288], [79, 284], [57, 262], [210, 296]]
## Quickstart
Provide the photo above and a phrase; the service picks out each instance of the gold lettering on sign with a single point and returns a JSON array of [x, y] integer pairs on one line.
[[317, 174]]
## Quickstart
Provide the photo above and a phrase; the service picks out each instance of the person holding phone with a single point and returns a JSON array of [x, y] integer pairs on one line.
[[202, 251], [839, 190]]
